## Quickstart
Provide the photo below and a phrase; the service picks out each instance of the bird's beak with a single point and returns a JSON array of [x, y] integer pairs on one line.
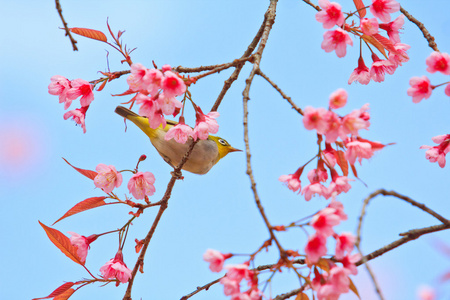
[[231, 149]]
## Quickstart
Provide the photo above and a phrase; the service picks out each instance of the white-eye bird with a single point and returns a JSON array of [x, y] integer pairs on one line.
[[204, 156]]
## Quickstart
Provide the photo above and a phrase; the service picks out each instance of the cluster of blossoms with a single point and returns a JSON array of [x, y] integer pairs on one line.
[[69, 91], [421, 87], [332, 126], [337, 40], [236, 273], [155, 93], [114, 268], [140, 184], [332, 283], [437, 153]]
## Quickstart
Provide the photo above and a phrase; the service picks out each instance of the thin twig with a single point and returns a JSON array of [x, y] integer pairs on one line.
[[236, 62], [291, 293], [288, 99], [397, 195], [372, 276], [181, 69], [422, 28], [315, 6], [270, 16], [176, 174], [227, 84], [66, 28]]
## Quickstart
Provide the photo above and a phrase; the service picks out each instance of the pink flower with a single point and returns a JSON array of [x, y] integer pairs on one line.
[[334, 124], [438, 61], [205, 124], [238, 272], [168, 105], [329, 155], [166, 68], [315, 247], [338, 99], [361, 74], [356, 120], [59, 86], [116, 268], [339, 184], [216, 259], [136, 80], [383, 8], [313, 189], [230, 287], [438, 153], [425, 292], [324, 221], [348, 262], [360, 150], [330, 14], [379, 67], [78, 116], [392, 28], [317, 175], [150, 109], [180, 132], [421, 88], [336, 40], [153, 81], [338, 277], [82, 243], [81, 88], [328, 292], [369, 26], [447, 89], [401, 56], [315, 119], [292, 181], [107, 178], [339, 209], [345, 242], [141, 185], [172, 85]]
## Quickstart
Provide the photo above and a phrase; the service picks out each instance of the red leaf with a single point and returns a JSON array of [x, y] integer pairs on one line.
[[62, 242], [354, 171], [66, 295], [387, 44], [341, 161], [360, 8], [88, 173], [59, 291], [353, 288], [90, 33], [377, 44], [89, 203], [102, 86]]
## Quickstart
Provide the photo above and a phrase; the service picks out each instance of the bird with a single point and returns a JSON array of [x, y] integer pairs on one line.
[[204, 156]]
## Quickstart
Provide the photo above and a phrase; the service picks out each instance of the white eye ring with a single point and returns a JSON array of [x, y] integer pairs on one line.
[[223, 142]]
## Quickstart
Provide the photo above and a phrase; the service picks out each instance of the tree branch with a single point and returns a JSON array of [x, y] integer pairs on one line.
[[66, 28], [431, 43]]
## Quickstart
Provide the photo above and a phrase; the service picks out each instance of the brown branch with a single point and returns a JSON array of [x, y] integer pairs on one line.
[[315, 6], [227, 84], [66, 28], [236, 62], [431, 43], [397, 195], [372, 276], [176, 174], [181, 69], [270, 20], [409, 236], [288, 99], [291, 293]]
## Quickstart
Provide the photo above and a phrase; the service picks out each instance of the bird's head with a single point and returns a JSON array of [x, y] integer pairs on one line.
[[223, 146]]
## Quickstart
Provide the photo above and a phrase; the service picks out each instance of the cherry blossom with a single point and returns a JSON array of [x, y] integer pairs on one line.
[[82, 243], [141, 185], [315, 119], [379, 67], [216, 259], [324, 221], [438, 62], [230, 286], [383, 8], [356, 120], [345, 242], [339, 209], [348, 262], [116, 268], [358, 150], [339, 184], [400, 56], [447, 89], [80, 87], [393, 28], [425, 292], [369, 26], [180, 132], [421, 88], [169, 105], [361, 74], [292, 181], [334, 124], [238, 272], [205, 124], [138, 77], [336, 40], [315, 247], [313, 189], [78, 115], [438, 153], [172, 85], [338, 99], [107, 178], [330, 15], [329, 155], [59, 86], [150, 109]]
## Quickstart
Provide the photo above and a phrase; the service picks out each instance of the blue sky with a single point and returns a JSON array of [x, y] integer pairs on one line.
[[216, 210]]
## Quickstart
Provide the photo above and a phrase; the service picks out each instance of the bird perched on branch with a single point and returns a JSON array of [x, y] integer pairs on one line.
[[204, 156]]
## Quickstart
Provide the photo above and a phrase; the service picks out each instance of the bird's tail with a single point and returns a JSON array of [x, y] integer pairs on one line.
[[141, 122]]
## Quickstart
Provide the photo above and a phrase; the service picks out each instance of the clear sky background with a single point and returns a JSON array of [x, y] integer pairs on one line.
[[216, 210]]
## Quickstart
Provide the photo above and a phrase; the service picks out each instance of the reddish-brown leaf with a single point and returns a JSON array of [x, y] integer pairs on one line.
[[302, 296], [323, 264], [66, 295], [341, 161], [354, 171], [387, 43], [353, 288], [102, 86], [88, 173], [373, 41], [89, 203], [62, 242], [59, 291], [360, 8], [90, 33]]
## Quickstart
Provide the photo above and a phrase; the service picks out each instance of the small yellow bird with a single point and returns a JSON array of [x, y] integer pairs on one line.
[[205, 155]]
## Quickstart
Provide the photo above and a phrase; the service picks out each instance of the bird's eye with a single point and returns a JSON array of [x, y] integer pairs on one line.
[[223, 142]]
